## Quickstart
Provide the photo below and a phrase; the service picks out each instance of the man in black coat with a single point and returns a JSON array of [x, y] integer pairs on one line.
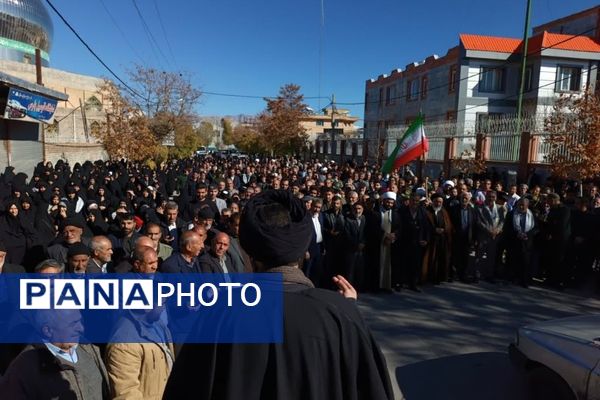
[[327, 351], [190, 208], [218, 260], [313, 264], [416, 234], [172, 225], [355, 239], [558, 234], [464, 220], [333, 237]]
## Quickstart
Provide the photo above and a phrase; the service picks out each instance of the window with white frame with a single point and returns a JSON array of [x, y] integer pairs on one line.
[[568, 79], [491, 79]]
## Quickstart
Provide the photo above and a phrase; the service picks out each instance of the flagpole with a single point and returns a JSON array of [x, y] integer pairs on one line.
[[424, 160]]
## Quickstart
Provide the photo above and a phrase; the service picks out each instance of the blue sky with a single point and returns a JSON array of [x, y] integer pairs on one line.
[[252, 47]]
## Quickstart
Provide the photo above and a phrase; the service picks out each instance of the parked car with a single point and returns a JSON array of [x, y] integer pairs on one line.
[[202, 151], [561, 358]]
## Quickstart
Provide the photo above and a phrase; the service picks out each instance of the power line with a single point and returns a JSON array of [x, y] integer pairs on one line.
[[114, 21], [129, 88], [441, 86], [248, 96], [152, 40], [164, 31], [92, 51]]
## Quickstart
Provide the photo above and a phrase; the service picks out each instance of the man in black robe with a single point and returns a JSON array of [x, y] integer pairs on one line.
[[416, 234], [558, 234], [327, 351]]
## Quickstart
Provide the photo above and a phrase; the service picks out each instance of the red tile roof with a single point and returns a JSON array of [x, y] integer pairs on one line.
[[489, 43], [545, 40], [569, 42]]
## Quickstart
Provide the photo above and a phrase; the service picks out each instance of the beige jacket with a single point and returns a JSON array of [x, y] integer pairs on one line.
[[138, 370]]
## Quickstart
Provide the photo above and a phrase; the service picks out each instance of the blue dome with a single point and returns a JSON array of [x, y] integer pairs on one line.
[[24, 26]]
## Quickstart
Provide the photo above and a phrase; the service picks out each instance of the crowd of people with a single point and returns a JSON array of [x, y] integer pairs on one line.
[[383, 233]]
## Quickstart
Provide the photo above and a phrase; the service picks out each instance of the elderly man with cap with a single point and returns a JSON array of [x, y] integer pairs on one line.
[[321, 328], [78, 257], [72, 232], [389, 277]]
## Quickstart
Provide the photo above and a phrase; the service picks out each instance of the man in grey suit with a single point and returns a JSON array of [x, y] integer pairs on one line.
[[101, 256]]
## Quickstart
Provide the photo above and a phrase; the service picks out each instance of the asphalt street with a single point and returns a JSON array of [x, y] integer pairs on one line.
[[450, 342]]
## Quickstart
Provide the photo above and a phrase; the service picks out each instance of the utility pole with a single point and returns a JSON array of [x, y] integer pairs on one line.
[[523, 67], [333, 111]]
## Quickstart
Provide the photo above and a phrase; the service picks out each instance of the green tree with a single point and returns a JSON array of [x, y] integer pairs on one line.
[[206, 133], [227, 131], [280, 123], [187, 142], [248, 140]]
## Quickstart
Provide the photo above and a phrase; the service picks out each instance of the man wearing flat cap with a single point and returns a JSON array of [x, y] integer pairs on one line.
[[327, 351], [78, 257]]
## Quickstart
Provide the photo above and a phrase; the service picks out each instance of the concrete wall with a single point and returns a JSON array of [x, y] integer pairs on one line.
[[74, 153]]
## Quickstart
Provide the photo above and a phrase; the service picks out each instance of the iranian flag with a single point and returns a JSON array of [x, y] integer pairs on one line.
[[412, 145]]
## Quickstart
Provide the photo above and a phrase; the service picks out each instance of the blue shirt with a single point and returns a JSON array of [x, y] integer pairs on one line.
[[70, 356]]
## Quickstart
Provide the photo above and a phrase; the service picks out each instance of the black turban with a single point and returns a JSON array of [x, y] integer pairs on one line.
[[77, 249], [275, 245]]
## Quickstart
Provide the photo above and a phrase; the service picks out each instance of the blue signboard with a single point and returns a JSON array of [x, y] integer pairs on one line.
[[26, 105]]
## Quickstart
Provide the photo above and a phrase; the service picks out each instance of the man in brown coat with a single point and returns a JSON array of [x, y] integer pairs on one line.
[[437, 259]]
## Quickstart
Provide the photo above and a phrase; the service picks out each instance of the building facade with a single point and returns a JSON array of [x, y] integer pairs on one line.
[[319, 124], [479, 79]]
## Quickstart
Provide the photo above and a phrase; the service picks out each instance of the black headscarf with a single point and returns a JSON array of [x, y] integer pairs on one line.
[[275, 245]]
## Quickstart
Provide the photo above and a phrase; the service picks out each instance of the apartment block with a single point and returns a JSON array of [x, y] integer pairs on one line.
[[480, 78]]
